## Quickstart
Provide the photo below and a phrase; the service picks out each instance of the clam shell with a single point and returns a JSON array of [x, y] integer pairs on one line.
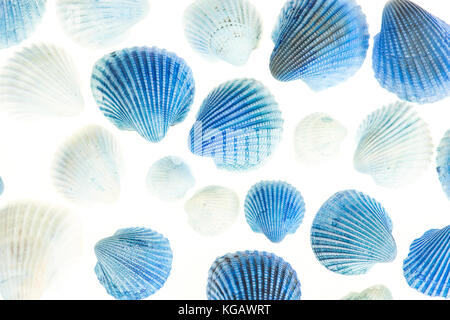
[[378, 292], [274, 208], [224, 29], [411, 54], [238, 125], [321, 42], [252, 275], [133, 263], [394, 146], [147, 90], [351, 233], [443, 163]]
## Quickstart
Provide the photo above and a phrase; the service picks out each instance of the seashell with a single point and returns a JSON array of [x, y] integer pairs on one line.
[[427, 266], [41, 80], [443, 163], [411, 53], [18, 19], [147, 90], [378, 292], [274, 208], [318, 138], [320, 42], [36, 240], [87, 167], [212, 210], [394, 146], [100, 23], [351, 233], [2, 186], [252, 275], [170, 178], [239, 125], [133, 263], [224, 29]]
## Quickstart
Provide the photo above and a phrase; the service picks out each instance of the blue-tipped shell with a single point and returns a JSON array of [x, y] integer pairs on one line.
[[443, 163]]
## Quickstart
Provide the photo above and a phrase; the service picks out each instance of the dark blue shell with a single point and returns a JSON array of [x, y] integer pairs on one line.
[[443, 163]]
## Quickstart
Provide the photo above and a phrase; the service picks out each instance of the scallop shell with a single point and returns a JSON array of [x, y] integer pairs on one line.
[[427, 267], [252, 275], [212, 210], [318, 138], [274, 208], [170, 178], [2, 186], [394, 146], [411, 53], [443, 163], [41, 80], [87, 167], [321, 42], [100, 23], [224, 29], [239, 125], [36, 240], [133, 263], [147, 90], [351, 233], [378, 292], [18, 19]]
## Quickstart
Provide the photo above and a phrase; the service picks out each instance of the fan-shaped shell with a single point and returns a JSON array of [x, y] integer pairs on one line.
[[170, 178], [41, 80], [378, 292], [318, 138], [427, 267], [36, 240], [87, 167], [394, 146], [443, 163], [252, 275], [411, 54], [225, 29], [238, 125], [321, 42], [133, 263], [351, 233], [212, 210], [274, 208], [143, 89]]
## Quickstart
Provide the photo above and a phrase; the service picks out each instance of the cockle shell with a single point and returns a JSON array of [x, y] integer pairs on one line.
[[377, 292], [443, 163]]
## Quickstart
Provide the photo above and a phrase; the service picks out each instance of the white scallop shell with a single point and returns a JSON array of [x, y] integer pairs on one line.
[[377, 292]]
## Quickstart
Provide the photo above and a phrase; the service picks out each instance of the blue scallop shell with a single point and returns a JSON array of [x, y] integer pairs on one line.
[[443, 163], [239, 125], [351, 233], [427, 267], [134, 263], [143, 89], [252, 275], [18, 19], [411, 54], [322, 42], [274, 208]]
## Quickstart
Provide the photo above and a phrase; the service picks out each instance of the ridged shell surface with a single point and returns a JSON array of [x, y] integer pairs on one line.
[[411, 55], [427, 267], [224, 29], [351, 233], [133, 263], [378, 292], [252, 275], [322, 42], [147, 90], [443, 163], [394, 146], [238, 125], [274, 208], [40, 80], [87, 167]]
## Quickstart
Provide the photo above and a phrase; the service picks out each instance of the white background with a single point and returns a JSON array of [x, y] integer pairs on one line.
[[27, 150]]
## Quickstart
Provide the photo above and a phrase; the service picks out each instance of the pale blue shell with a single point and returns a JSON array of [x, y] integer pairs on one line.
[[252, 275], [134, 263], [411, 55], [2, 186], [18, 19], [274, 208], [143, 89], [351, 233], [427, 267], [238, 125], [443, 163], [322, 42]]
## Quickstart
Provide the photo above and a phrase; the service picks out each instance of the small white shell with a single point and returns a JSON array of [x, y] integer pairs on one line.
[[378, 292]]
